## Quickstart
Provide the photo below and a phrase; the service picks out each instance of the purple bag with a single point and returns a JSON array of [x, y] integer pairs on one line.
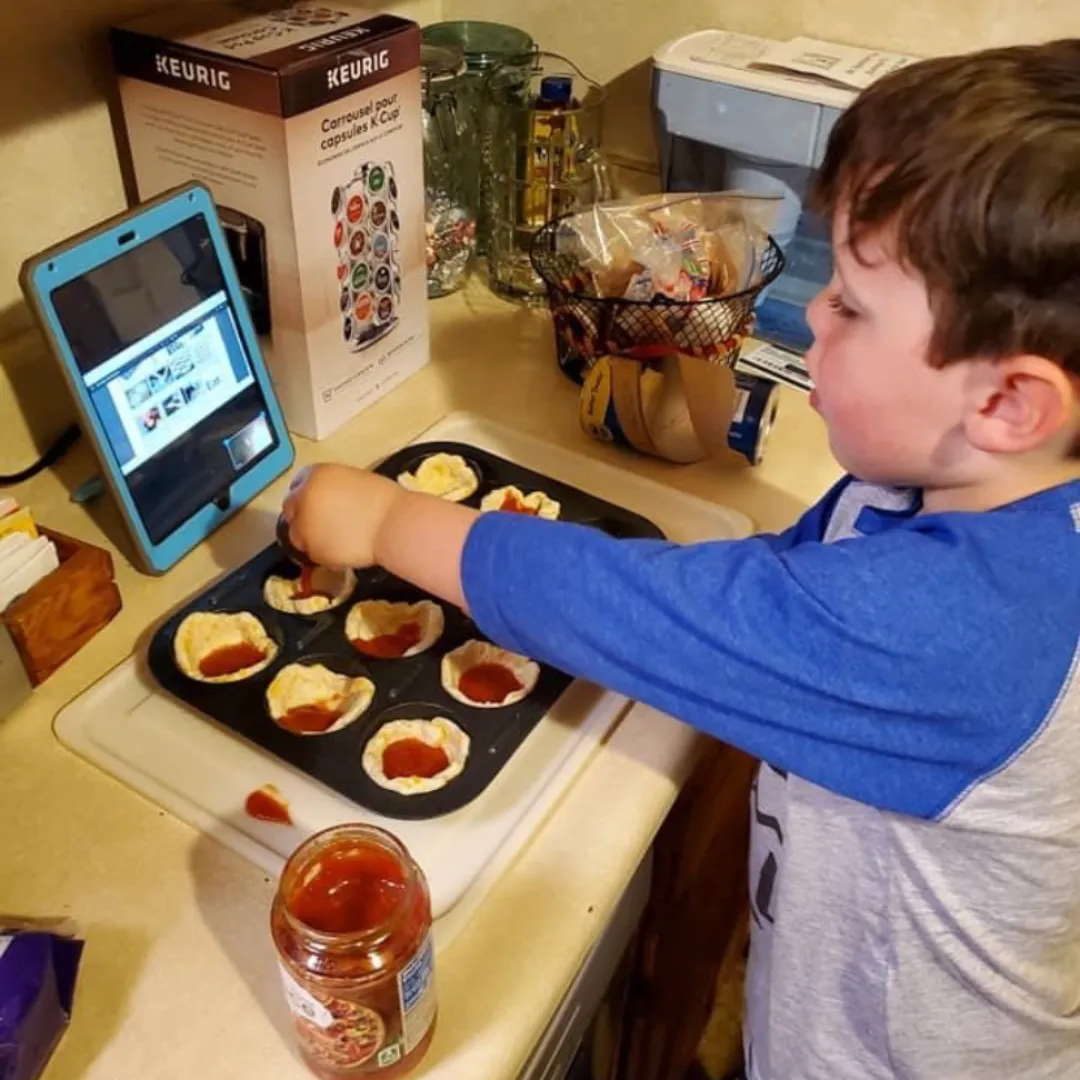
[[37, 985]]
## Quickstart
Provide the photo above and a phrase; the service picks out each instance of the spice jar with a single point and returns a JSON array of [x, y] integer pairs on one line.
[[351, 922], [449, 186]]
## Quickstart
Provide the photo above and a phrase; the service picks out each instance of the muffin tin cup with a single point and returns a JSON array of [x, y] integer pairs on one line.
[[405, 688], [410, 655], [351, 666], [285, 568], [420, 710], [413, 462], [270, 623]]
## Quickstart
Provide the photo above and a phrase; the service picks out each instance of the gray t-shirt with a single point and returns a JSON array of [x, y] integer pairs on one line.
[[891, 947]]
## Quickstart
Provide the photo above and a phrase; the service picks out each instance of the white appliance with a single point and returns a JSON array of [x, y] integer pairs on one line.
[[728, 119], [203, 773]]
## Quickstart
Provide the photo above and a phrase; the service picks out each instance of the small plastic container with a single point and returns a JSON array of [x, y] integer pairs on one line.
[[351, 923]]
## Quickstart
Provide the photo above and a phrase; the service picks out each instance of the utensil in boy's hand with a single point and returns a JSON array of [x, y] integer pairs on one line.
[[281, 533]]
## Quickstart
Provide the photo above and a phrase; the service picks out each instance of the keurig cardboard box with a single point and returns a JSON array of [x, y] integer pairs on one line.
[[305, 122]]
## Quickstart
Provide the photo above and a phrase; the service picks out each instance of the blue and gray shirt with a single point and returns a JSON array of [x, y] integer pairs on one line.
[[910, 681]]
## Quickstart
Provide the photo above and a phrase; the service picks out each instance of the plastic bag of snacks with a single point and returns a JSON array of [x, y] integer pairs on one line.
[[678, 247], [650, 302], [38, 966]]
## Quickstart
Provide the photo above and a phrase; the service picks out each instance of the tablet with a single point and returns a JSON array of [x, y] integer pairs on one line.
[[146, 317]]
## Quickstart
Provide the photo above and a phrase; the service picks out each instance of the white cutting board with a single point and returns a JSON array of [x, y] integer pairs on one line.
[[202, 773]]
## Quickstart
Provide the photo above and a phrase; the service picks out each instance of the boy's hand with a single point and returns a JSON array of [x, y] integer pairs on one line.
[[335, 513], [344, 517]]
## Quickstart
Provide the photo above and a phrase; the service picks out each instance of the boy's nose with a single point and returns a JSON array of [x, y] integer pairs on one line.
[[814, 312], [813, 315]]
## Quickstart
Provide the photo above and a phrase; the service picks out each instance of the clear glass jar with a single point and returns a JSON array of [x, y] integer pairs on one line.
[[449, 185], [485, 46], [351, 922], [546, 163]]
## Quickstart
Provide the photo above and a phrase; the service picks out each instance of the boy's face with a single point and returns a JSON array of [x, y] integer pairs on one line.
[[892, 418]]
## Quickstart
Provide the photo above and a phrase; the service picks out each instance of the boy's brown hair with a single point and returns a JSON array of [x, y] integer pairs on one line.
[[974, 161]]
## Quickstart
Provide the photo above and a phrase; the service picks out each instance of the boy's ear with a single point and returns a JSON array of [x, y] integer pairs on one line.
[[1018, 404]]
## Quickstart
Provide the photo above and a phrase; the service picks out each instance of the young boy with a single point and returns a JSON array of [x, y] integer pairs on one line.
[[904, 657]]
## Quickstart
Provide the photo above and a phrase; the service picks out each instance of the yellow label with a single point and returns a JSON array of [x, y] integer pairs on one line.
[[595, 399], [18, 521]]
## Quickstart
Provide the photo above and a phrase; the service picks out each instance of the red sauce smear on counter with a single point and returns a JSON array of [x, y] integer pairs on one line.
[[512, 504], [391, 646], [230, 659], [305, 587], [413, 757], [349, 890], [265, 804], [488, 683], [310, 719]]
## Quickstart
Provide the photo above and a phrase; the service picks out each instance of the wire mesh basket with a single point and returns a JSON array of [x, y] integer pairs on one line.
[[587, 327]]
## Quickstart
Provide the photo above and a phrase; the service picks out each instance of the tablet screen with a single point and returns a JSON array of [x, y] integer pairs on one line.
[[157, 344]]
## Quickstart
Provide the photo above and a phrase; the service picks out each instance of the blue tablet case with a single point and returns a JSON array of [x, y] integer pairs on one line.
[[43, 274]]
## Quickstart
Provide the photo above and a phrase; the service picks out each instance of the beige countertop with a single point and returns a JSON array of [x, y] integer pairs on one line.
[[179, 977]]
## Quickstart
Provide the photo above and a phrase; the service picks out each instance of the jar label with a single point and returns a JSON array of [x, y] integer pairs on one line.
[[304, 1005], [345, 1034], [416, 991], [336, 1033]]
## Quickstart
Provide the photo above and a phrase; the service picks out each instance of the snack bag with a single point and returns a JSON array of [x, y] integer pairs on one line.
[[678, 247], [38, 968]]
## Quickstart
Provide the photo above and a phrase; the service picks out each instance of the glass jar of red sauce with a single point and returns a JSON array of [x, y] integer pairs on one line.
[[351, 922]]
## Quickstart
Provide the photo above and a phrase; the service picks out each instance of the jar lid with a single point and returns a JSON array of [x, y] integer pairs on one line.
[[483, 43], [556, 89], [441, 64]]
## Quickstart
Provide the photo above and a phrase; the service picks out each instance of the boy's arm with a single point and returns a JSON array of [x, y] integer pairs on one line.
[[421, 539], [342, 516], [890, 669]]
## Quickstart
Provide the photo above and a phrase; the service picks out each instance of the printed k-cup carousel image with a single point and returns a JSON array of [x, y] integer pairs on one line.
[[365, 234]]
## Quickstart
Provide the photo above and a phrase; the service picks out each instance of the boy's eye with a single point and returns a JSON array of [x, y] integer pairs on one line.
[[837, 304]]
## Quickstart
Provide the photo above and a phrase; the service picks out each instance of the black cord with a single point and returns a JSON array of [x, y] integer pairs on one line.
[[51, 456]]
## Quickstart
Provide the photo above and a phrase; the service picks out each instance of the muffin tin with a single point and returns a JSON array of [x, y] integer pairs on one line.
[[365, 232], [405, 688]]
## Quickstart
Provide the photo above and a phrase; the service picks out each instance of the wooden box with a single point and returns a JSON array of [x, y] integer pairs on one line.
[[63, 611]]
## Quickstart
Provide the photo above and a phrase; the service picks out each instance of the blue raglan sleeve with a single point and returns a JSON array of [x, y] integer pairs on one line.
[[890, 669], [810, 527]]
